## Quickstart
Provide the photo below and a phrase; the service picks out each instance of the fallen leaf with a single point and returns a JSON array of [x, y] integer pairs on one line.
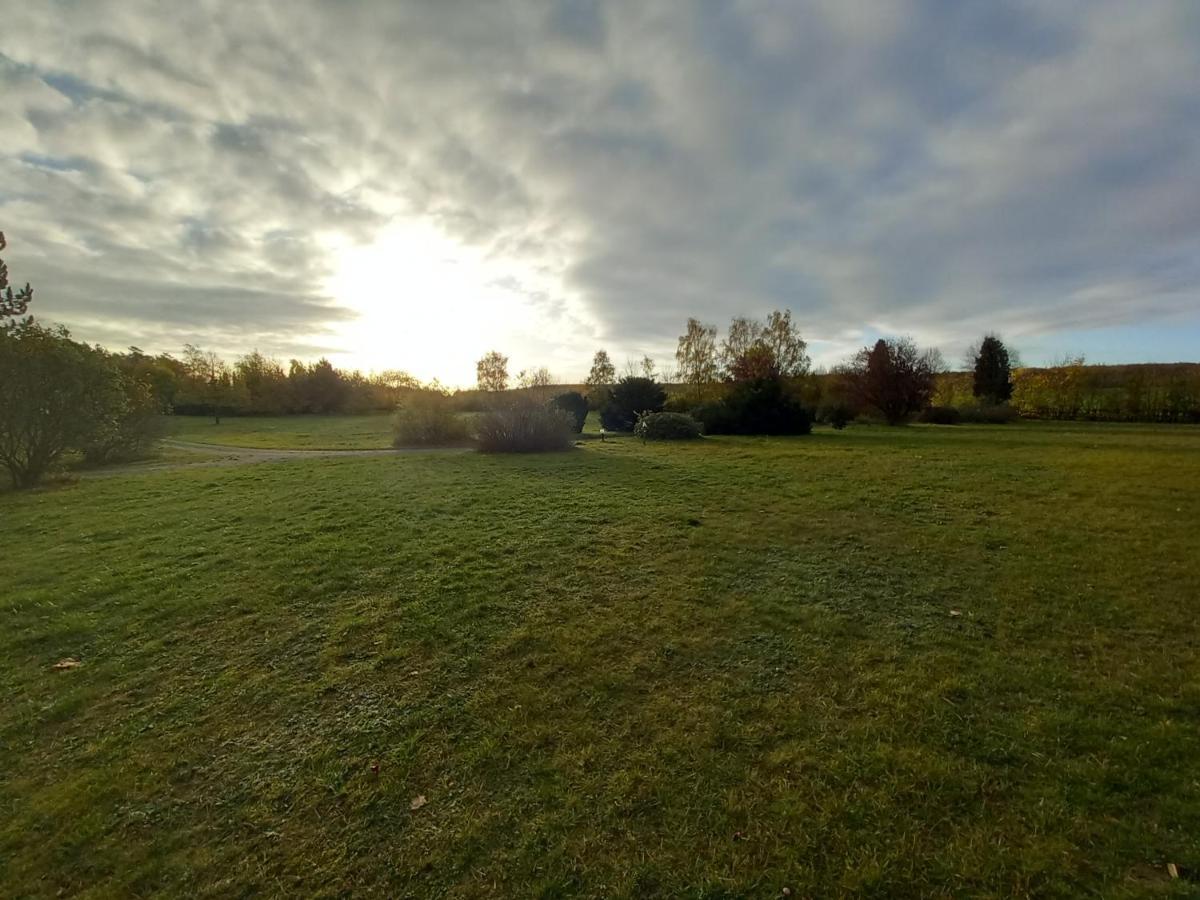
[[1173, 870], [955, 613], [417, 802], [69, 663]]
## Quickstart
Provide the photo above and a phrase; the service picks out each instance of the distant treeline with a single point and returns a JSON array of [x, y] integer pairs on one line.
[[1145, 392], [199, 383]]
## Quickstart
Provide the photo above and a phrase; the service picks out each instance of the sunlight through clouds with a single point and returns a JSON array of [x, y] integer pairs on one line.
[[426, 301]]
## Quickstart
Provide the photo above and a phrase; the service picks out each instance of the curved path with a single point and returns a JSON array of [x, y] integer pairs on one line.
[[227, 455]]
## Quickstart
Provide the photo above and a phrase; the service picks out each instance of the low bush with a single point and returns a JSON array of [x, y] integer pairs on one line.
[[630, 398], [939, 415], [57, 395], [522, 425], [667, 426], [757, 406], [836, 414], [984, 414], [129, 431], [679, 403], [428, 419], [575, 405]]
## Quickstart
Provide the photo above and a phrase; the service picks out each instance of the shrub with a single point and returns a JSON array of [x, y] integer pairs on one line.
[[837, 414], [575, 405], [522, 425], [427, 419], [55, 394], [940, 415], [131, 428], [758, 406], [631, 397], [679, 403], [667, 426], [985, 414]]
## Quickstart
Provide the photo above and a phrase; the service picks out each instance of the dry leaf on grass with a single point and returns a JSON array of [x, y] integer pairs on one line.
[[417, 802], [69, 663]]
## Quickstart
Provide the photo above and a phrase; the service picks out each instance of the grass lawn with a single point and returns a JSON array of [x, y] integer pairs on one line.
[[287, 432], [912, 662]]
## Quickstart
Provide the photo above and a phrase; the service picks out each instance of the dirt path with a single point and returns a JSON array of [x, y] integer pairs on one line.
[[221, 455]]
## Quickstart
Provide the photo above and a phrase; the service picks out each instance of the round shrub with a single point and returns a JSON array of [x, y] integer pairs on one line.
[[522, 425], [667, 426], [428, 419]]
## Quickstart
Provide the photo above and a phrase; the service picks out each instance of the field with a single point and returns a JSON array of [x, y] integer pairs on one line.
[[890, 662], [371, 432]]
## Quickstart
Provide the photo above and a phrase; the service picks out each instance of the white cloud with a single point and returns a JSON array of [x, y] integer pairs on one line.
[[937, 168]]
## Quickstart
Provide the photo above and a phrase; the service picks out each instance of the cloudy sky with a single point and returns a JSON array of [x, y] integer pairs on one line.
[[407, 184]]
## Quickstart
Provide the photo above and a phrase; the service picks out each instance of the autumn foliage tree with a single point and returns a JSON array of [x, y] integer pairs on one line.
[[893, 377], [696, 356], [491, 372]]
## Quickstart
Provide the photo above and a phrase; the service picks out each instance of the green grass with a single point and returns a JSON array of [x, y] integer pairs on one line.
[[287, 432], [713, 670]]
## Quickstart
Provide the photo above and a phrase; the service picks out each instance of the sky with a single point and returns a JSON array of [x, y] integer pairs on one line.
[[407, 185]]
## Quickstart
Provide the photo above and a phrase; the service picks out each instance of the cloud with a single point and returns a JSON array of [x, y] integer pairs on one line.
[[937, 167]]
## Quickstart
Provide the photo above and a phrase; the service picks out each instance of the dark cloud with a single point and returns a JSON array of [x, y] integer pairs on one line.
[[936, 166]]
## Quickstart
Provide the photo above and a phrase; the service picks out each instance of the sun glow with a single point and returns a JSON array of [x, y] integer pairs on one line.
[[427, 304]]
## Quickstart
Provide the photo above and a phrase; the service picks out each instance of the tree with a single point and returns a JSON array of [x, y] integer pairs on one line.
[[783, 339], [648, 367], [55, 394], [492, 372], [535, 378], [757, 361], [696, 356], [12, 304], [893, 377], [209, 383], [993, 371], [326, 388], [264, 382], [603, 372], [743, 334]]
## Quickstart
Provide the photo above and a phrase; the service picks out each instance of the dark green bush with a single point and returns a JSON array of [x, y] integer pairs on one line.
[[631, 397], [756, 406], [940, 415], [984, 414], [575, 405], [667, 426], [837, 414], [522, 425]]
